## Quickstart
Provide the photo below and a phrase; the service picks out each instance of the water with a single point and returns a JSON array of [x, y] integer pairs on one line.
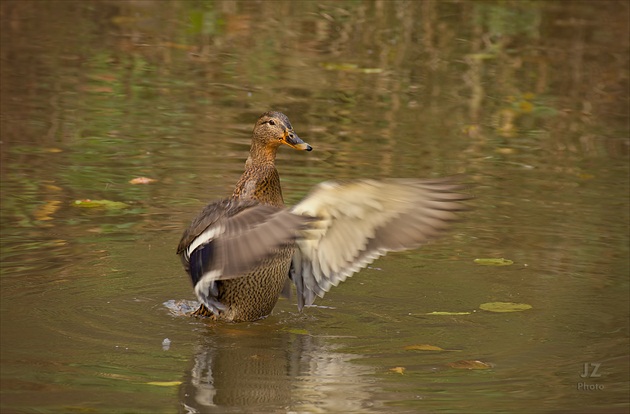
[[528, 100]]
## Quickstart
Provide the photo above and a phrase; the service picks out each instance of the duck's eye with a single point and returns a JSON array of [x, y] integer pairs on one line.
[[271, 122]]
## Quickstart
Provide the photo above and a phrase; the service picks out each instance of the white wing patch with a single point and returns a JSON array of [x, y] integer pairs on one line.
[[204, 294], [207, 236]]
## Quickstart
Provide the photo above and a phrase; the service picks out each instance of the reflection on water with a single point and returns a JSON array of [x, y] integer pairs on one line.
[[528, 99], [236, 369]]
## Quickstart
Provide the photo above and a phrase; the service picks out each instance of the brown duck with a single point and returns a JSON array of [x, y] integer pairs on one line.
[[241, 252]]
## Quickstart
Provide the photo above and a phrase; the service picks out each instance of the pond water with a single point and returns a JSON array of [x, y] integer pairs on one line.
[[527, 100]]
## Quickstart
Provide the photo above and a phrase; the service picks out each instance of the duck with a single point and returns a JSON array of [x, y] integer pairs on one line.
[[243, 252]]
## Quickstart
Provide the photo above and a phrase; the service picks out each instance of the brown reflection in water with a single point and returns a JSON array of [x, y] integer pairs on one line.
[[236, 368]]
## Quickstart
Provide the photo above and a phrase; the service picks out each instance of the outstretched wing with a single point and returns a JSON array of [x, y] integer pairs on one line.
[[364, 219]]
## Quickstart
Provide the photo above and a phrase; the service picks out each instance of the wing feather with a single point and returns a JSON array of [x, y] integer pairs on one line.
[[362, 220]]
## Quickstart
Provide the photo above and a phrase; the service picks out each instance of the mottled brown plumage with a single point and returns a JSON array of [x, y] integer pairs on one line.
[[240, 251]]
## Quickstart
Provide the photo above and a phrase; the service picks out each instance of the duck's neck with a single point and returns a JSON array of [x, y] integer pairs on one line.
[[260, 180], [260, 154]]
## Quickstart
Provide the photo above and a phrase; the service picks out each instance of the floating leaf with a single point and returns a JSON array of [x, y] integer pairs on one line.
[[493, 262], [398, 370], [448, 313], [165, 383], [45, 211], [504, 307], [142, 180], [107, 204], [423, 347], [468, 364]]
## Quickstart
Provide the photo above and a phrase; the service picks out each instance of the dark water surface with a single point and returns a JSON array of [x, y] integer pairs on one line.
[[528, 99]]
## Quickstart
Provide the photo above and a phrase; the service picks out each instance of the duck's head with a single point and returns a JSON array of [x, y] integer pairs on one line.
[[274, 129]]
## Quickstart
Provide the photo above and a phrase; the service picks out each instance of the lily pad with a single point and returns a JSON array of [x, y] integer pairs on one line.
[[493, 262], [142, 180], [106, 204], [448, 313], [165, 383], [504, 307], [423, 347], [468, 364], [398, 370]]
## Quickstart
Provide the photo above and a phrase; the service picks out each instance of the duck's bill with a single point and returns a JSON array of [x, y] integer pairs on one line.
[[296, 142]]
